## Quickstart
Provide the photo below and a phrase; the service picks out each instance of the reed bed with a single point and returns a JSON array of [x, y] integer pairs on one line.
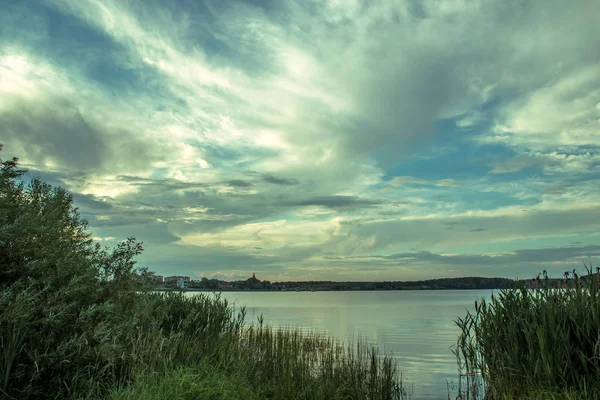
[[209, 337], [540, 343], [315, 366]]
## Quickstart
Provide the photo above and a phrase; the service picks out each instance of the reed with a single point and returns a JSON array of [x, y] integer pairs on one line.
[[535, 343], [208, 334]]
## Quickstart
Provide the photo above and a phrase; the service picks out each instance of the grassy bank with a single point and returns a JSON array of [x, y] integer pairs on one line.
[[541, 343], [79, 321]]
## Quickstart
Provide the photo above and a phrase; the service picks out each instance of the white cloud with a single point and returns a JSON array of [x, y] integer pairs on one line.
[[551, 162], [403, 180], [561, 113], [321, 98]]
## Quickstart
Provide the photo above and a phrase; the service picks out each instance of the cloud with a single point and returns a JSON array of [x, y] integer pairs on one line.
[[507, 224], [519, 256], [266, 135], [279, 181], [558, 189], [56, 123], [336, 202], [565, 113], [583, 162], [106, 239], [239, 183], [523, 264], [404, 180], [92, 202]]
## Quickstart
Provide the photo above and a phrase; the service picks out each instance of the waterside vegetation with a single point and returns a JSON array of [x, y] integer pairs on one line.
[[80, 321], [541, 342]]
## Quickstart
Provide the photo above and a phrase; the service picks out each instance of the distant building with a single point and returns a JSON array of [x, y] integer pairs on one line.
[[224, 285], [175, 278], [183, 283]]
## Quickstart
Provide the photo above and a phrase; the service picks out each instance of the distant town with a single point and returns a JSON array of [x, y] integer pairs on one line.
[[253, 283]]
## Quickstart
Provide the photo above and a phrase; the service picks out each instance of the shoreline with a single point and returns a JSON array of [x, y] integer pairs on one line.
[[313, 291]]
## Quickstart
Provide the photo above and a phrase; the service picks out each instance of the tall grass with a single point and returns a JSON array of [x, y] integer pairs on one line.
[[535, 343], [204, 336], [314, 366]]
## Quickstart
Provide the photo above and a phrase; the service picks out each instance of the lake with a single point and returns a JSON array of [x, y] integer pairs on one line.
[[416, 326]]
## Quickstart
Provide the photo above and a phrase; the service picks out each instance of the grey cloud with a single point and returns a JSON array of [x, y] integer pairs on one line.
[[547, 255], [197, 209], [279, 181], [522, 264], [446, 67], [239, 183], [403, 180], [52, 177], [557, 189], [174, 184], [167, 183], [336, 202], [125, 215], [189, 259], [54, 130], [574, 160], [183, 227], [121, 219], [430, 231], [89, 201], [144, 181], [557, 253], [159, 184]]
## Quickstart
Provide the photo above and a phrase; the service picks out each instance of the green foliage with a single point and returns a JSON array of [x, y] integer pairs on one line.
[[200, 331], [199, 383], [66, 303], [529, 342], [295, 365], [79, 321]]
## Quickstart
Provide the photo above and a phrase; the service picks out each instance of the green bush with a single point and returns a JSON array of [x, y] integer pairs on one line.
[[199, 383], [68, 306]]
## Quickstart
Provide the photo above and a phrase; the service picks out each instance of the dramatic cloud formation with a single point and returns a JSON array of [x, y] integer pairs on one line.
[[316, 139]]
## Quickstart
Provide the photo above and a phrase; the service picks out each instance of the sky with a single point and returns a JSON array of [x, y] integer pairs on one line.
[[316, 139]]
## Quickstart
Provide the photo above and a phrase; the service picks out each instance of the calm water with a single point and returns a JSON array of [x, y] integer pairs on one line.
[[416, 326]]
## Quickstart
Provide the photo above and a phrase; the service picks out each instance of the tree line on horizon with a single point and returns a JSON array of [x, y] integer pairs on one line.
[[254, 283]]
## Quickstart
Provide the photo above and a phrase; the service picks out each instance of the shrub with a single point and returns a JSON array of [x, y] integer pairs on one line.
[[67, 304]]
